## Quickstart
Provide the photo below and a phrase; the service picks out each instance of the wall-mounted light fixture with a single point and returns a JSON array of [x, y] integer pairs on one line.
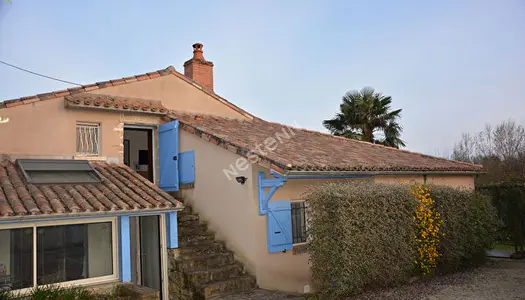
[[4, 120], [241, 179]]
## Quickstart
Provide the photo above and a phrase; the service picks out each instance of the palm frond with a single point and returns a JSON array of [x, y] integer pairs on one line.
[[365, 113]]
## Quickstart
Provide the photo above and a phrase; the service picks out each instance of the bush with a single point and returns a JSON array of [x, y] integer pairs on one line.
[[361, 235], [55, 292], [509, 200], [469, 227]]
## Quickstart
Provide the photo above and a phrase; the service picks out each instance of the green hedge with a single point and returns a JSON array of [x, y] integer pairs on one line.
[[469, 227], [362, 234], [509, 200]]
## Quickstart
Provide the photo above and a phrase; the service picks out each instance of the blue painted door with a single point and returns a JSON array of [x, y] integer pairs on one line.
[[168, 156], [279, 226]]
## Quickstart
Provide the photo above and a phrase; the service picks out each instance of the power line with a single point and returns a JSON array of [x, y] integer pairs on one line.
[[38, 74]]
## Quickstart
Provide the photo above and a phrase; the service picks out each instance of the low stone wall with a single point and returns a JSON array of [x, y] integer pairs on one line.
[[180, 288], [139, 292]]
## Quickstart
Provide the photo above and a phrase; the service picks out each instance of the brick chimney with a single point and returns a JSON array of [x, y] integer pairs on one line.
[[198, 68]]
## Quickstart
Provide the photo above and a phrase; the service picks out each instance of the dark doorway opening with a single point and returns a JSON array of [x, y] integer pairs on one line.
[[138, 151]]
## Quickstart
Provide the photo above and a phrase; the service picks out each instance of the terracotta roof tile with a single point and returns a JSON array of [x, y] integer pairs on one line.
[[307, 150], [104, 84], [13, 103], [61, 93], [118, 82], [170, 70], [46, 96], [142, 77], [76, 90], [130, 79], [86, 88], [107, 102], [121, 189], [153, 74], [90, 87]]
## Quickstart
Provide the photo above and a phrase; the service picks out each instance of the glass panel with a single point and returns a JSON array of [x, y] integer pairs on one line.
[[16, 258], [150, 251], [73, 252], [135, 249]]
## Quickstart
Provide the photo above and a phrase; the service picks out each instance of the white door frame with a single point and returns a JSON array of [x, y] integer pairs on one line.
[[164, 279], [153, 129]]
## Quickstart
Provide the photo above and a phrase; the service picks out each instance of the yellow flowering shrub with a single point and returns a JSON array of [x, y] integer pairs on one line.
[[427, 222], [366, 235]]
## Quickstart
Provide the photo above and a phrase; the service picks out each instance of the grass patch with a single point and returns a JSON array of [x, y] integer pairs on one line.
[[503, 247]]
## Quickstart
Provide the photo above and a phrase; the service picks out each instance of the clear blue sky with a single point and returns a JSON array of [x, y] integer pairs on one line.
[[452, 66]]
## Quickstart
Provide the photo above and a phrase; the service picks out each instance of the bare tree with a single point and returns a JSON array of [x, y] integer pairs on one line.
[[500, 149], [509, 140], [465, 149], [505, 141]]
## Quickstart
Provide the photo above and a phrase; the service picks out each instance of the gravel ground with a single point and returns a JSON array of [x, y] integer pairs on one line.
[[260, 295], [500, 279]]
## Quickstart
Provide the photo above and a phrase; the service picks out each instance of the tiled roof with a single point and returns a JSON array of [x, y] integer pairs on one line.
[[125, 80], [106, 102], [307, 150], [121, 189], [87, 88]]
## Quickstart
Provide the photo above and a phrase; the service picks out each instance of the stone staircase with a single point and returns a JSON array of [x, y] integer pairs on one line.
[[203, 267]]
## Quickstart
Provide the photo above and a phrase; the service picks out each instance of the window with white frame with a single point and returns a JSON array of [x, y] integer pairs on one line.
[[88, 139], [82, 252], [299, 226]]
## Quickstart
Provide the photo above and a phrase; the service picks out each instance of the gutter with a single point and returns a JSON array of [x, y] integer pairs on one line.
[[364, 174], [87, 215]]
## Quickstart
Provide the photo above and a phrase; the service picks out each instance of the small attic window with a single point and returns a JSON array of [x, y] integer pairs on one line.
[[57, 171]]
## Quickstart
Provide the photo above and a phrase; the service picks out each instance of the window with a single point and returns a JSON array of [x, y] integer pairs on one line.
[[73, 252], [299, 234], [63, 253], [59, 171], [16, 258], [88, 138]]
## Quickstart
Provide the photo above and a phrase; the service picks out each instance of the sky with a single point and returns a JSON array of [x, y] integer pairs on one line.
[[452, 66]]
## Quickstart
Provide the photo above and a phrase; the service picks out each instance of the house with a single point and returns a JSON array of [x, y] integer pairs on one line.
[[140, 143]]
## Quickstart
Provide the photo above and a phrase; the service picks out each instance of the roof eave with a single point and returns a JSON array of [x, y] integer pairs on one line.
[[83, 215], [375, 173]]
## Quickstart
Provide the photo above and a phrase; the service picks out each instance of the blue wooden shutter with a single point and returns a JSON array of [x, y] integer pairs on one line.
[[187, 167], [168, 156], [279, 224]]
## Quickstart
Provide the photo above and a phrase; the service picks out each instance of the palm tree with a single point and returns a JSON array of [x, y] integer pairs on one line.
[[365, 115]]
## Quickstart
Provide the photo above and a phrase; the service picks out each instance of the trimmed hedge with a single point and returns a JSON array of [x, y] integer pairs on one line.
[[470, 227], [362, 234]]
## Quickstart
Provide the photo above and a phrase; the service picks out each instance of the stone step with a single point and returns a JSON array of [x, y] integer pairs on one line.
[[186, 210], [191, 240], [225, 272], [193, 228], [191, 223], [212, 248], [237, 284], [206, 261], [183, 218]]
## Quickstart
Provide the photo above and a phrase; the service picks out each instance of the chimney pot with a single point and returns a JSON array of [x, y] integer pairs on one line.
[[198, 68], [197, 51]]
